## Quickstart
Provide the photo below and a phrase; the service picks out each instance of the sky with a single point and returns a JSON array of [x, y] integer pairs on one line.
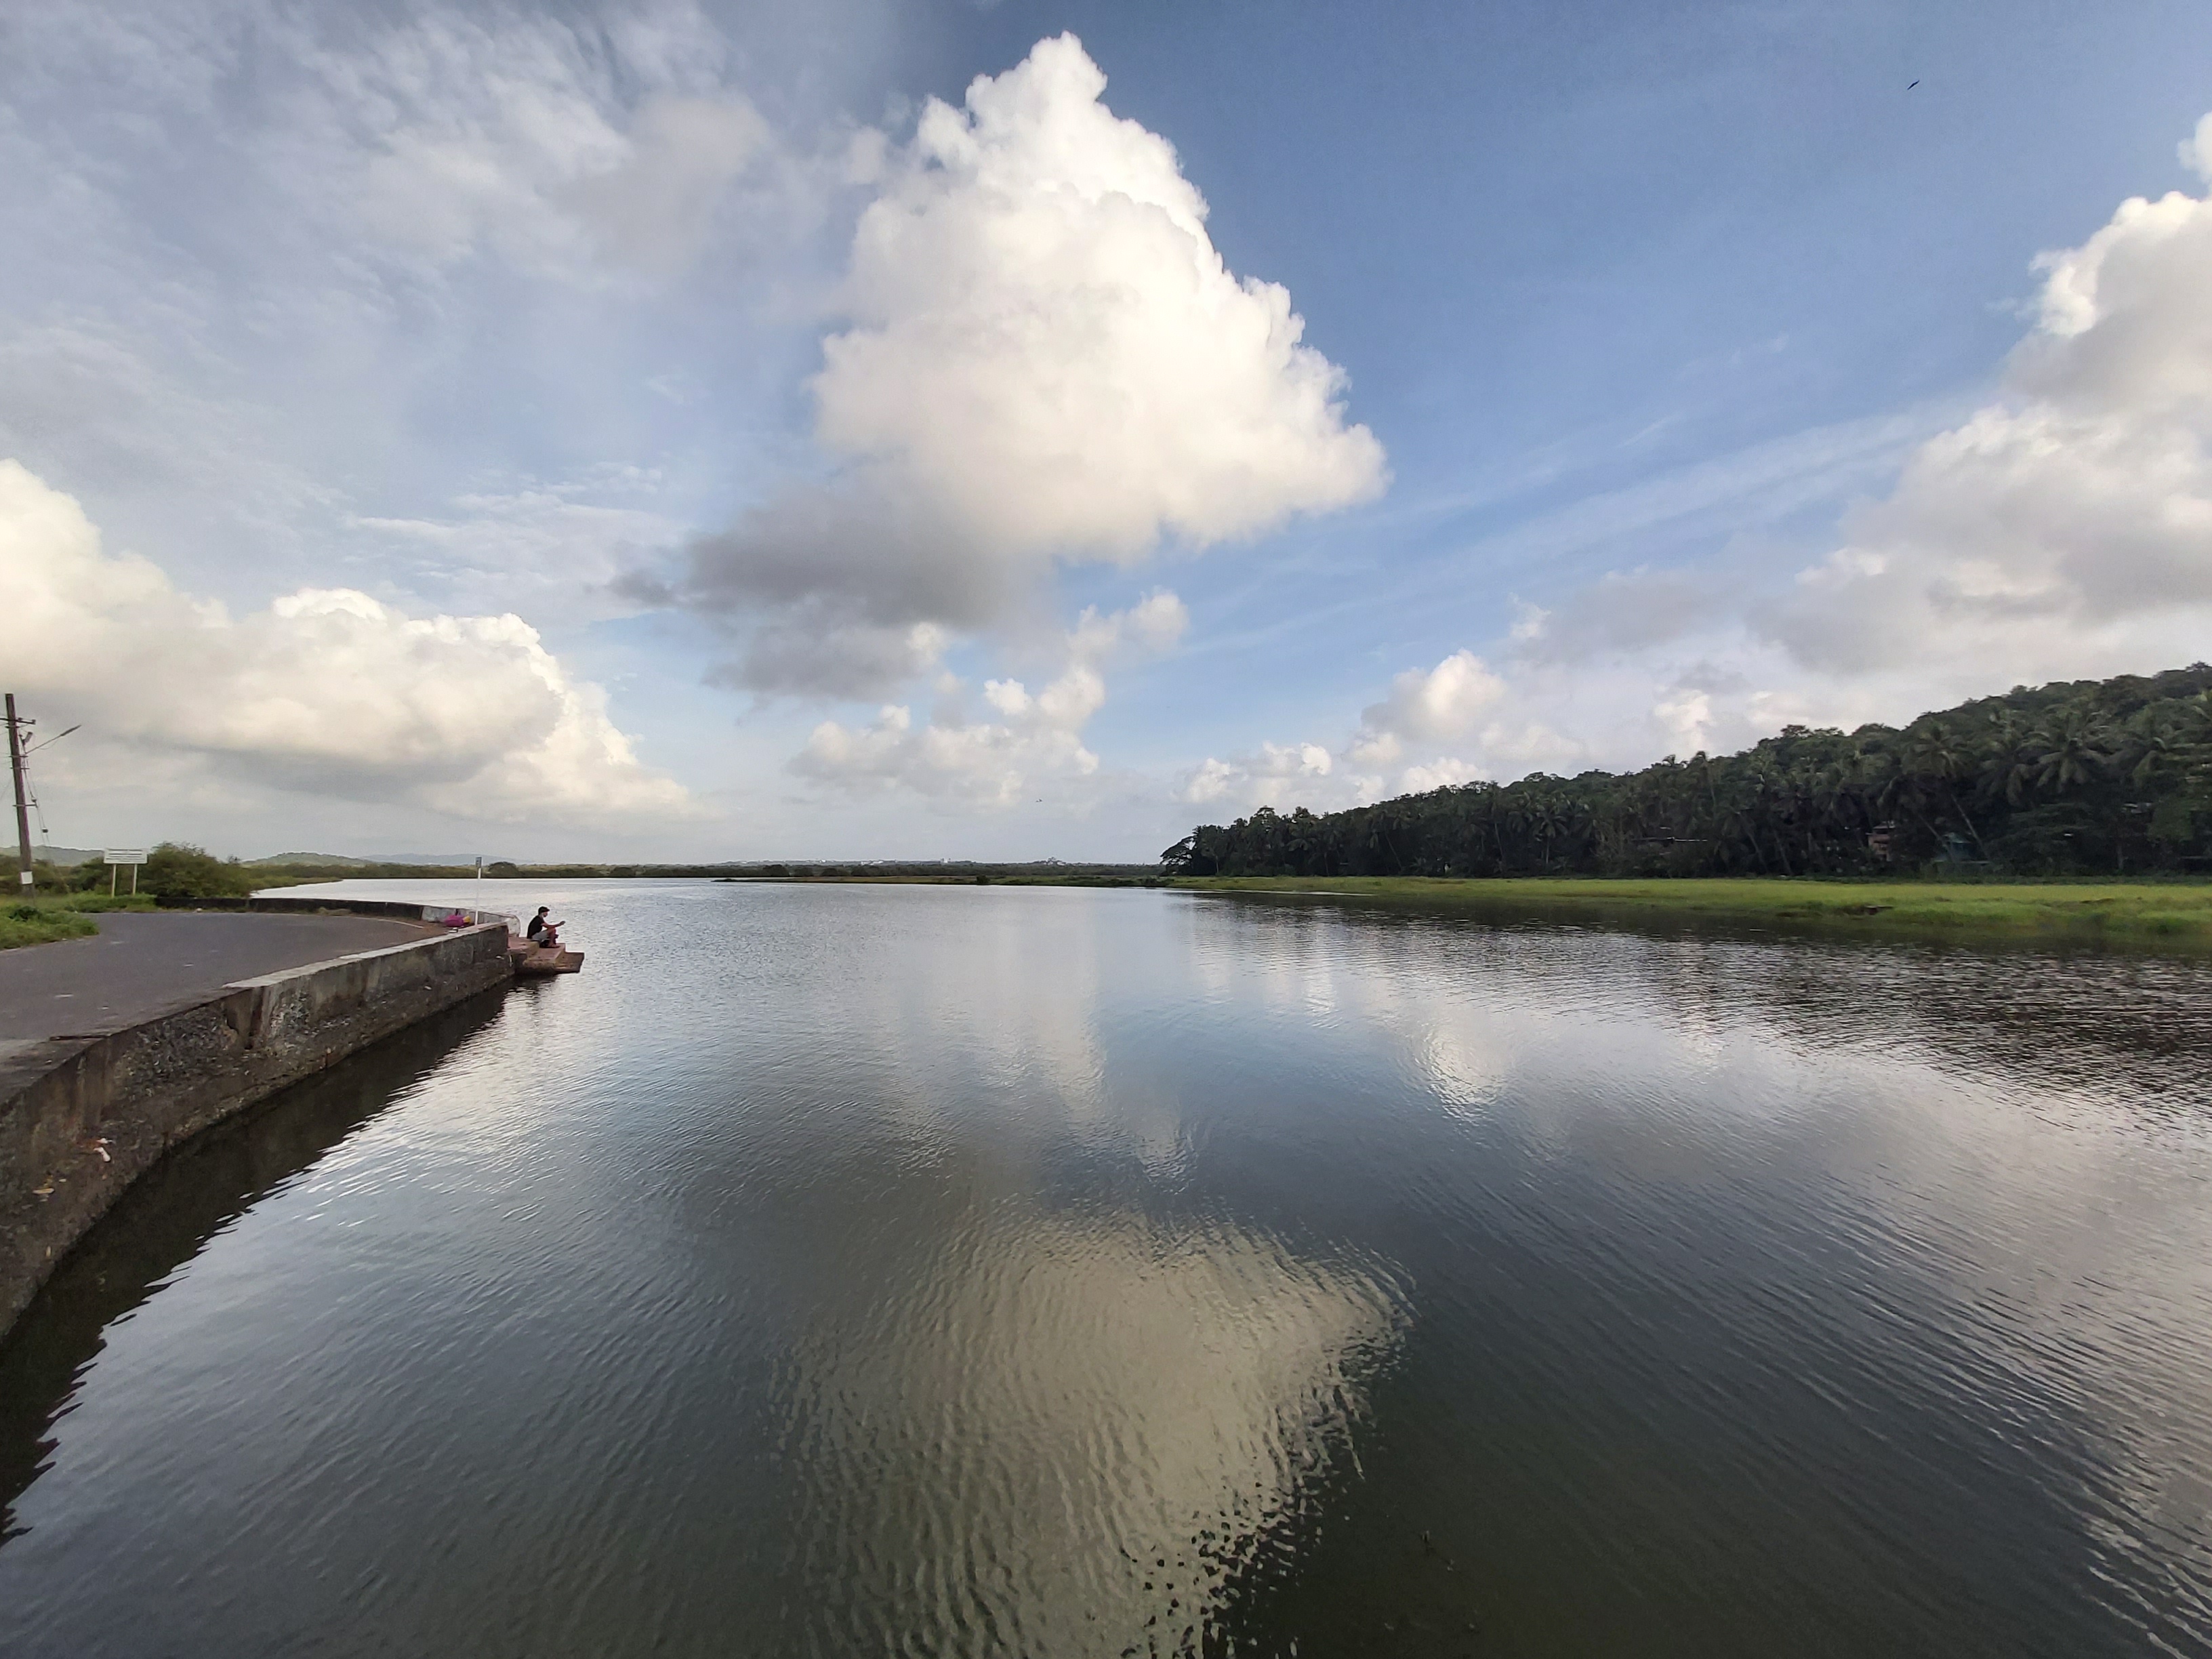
[[669, 429]]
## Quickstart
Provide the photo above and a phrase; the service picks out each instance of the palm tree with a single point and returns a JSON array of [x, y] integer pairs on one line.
[[2008, 765], [1934, 751], [2070, 749]]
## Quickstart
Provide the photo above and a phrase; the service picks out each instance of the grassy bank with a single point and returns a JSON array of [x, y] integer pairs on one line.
[[42, 920], [2162, 912]]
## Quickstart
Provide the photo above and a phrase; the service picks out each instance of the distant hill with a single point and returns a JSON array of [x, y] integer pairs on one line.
[[64, 854], [469, 859], [340, 861]]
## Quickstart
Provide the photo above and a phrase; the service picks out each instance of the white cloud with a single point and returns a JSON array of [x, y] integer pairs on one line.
[[538, 539], [1282, 775], [1047, 360], [1420, 780], [275, 270], [994, 762], [562, 150], [2064, 529], [1045, 331], [1457, 703], [1427, 708], [2196, 150], [1154, 624], [326, 690], [1444, 702], [2067, 527]]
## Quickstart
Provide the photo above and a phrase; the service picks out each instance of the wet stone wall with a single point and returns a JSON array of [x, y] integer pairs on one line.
[[91, 1115]]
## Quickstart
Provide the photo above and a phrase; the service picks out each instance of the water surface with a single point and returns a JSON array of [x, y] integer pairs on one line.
[[839, 1270]]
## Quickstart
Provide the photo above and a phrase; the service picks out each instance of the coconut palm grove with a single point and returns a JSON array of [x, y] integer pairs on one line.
[[2087, 777]]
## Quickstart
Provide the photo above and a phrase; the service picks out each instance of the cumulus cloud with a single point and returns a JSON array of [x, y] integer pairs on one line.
[[2067, 527], [1438, 773], [2061, 530], [1445, 701], [326, 690], [1036, 300], [994, 760], [1283, 775], [1458, 722], [1426, 706], [1047, 360]]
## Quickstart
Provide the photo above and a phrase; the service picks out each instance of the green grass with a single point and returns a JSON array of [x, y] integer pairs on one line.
[[57, 916], [2120, 913]]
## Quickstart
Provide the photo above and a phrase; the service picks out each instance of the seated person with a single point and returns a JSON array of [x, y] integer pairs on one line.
[[542, 932]]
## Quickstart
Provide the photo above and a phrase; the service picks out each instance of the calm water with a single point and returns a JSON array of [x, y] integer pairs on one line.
[[905, 1271]]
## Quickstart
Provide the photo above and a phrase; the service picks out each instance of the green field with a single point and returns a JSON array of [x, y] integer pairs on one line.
[[2122, 913], [42, 920]]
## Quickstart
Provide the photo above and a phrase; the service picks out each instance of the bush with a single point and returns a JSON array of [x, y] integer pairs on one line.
[[177, 870]]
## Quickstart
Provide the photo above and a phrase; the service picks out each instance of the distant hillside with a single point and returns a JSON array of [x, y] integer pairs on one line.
[[365, 861], [447, 859]]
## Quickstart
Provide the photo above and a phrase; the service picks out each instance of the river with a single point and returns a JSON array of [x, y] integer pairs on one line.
[[882, 1270]]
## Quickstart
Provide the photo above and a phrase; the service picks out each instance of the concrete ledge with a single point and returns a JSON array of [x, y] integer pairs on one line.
[[401, 910], [74, 1134]]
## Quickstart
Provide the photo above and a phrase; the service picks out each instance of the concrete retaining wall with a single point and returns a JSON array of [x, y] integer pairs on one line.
[[400, 910], [78, 1133]]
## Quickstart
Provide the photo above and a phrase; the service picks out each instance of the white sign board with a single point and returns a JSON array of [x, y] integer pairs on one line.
[[126, 855]]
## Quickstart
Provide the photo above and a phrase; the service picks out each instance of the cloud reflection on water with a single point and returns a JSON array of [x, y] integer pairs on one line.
[[1062, 1433], [1987, 1135]]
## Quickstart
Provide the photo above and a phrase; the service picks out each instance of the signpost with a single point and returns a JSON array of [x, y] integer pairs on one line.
[[133, 856]]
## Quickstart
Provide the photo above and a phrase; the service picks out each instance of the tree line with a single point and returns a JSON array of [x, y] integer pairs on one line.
[[2110, 777]]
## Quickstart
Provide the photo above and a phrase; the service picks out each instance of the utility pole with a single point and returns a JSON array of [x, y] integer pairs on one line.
[[22, 812]]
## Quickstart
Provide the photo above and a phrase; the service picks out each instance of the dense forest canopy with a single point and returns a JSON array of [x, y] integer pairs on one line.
[[2089, 777]]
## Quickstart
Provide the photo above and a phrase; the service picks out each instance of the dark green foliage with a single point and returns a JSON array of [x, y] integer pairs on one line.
[[2098, 777], [174, 870]]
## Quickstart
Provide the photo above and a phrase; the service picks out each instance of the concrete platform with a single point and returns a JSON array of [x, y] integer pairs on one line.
[[142, 965], [187, 1033]]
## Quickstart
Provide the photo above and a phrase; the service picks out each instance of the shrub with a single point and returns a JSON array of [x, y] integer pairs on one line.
[[177, 870]]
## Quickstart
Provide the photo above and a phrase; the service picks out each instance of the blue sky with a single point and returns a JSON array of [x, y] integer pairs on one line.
[[637, 429]]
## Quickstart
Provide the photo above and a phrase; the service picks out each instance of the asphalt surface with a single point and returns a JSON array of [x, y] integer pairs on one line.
[[148, 964]]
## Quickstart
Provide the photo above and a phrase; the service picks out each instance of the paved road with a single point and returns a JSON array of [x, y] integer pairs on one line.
[[143, 964]]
